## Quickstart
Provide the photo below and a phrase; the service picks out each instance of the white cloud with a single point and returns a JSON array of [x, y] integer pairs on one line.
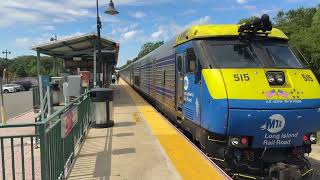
[[23, 42], [29, 42], [48, 28], [92, 3], [125, 29], [40, 12], [70, 35], [130, 34], [139, 2], [48, 12], [165, 32], [10, 17], [242, 1], [139, 15], [202, 20], [161, 33]]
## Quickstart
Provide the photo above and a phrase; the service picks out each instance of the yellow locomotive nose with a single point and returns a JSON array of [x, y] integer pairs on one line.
[[285, 85]]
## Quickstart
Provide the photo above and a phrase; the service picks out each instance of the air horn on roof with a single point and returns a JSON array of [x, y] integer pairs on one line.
[[258, 24]]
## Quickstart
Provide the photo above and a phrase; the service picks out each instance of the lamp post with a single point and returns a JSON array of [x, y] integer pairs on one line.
[[111, 11], [6, 52]]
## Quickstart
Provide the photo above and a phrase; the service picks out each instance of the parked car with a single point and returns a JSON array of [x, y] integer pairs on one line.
[[26, 84], [11, 88]]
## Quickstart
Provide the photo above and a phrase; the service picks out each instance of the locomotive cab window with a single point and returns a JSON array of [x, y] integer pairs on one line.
[[233, 55], [251, 54], [282, 57], [191, 60], [179, 64]]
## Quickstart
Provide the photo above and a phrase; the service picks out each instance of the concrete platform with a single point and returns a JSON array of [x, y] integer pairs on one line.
[[142, 145]]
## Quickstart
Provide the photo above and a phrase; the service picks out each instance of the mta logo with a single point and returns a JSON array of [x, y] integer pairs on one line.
[[186, 83], [274, 124]]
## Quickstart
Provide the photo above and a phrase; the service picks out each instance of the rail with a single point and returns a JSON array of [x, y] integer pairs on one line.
[[59, 136]]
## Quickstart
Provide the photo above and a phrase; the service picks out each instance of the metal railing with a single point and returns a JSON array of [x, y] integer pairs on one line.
[[58, 143], [13, 154]]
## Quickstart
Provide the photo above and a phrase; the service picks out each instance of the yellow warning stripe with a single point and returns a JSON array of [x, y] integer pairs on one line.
[[187, 160]]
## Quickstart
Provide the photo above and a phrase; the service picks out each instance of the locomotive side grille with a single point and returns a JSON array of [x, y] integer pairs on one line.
[[188, 113]]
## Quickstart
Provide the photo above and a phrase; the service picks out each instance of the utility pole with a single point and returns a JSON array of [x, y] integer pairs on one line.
[[2, 107], [6, 52]]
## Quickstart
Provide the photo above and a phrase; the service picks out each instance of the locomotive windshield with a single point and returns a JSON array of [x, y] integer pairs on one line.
[[253, 54], [234, 55], [282, 57]]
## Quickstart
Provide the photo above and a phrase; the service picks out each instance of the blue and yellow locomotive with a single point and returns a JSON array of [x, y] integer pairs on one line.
[[240, 92]]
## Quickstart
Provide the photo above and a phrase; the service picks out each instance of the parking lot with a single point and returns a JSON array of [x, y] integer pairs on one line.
[[17, 103]]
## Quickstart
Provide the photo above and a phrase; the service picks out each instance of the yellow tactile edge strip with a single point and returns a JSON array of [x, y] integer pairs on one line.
[[187, 160]]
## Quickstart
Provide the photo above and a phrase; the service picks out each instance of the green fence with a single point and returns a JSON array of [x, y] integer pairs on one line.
[[59, 136], [13, 150]]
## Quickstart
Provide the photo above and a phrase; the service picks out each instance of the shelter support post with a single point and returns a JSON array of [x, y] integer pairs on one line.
[[41, 97], [109, 72], [95, 69], [38, 63], [54, 66]]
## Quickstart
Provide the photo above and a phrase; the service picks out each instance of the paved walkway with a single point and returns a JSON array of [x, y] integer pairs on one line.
[[18, 103], [27, 117], [126, 151], [141, 146]]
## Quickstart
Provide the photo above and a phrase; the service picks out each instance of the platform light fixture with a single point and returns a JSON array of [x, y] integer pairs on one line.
[[111, 11]]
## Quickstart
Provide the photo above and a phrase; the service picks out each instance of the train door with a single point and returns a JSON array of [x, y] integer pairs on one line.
[[191, 87], [179, 78]]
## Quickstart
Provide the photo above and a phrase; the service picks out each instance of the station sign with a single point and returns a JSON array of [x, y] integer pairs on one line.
[[68, 120]]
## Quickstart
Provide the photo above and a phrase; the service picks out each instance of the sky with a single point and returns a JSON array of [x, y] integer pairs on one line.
[[25, 23]]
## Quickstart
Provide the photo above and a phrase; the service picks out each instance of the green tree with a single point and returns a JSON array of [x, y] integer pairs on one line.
[[129, 61], [302, 25], [21, 72], [24, 66], [245, 20], [147, 48]]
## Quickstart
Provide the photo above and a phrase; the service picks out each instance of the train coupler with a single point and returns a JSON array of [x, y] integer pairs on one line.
[[282, 171]]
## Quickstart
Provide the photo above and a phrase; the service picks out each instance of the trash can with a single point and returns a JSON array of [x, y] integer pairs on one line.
[[102, 107], [55, 93]]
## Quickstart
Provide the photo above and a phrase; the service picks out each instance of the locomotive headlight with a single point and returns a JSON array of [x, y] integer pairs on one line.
[[275, 77], [313, 138], [239, 141], [279, 78], [271, 78], [235, 141]]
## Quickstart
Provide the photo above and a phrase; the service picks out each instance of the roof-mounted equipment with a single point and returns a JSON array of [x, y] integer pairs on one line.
[[256, 26]]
